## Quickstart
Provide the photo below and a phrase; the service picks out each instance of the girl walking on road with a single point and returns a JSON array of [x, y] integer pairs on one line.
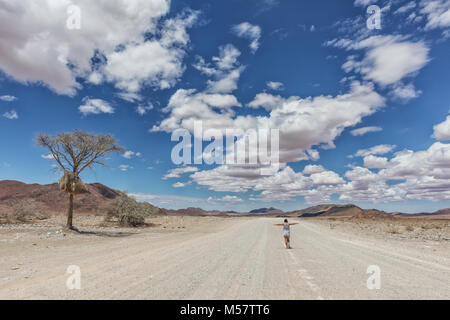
[[287, 232]]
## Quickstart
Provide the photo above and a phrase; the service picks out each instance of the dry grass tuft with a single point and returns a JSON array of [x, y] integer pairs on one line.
[[393, 230], [429, 226]]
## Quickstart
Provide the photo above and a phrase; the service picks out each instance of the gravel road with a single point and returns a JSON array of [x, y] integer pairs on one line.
[[239, 258]]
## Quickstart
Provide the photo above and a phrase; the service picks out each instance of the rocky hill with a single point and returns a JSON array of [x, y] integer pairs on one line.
[[333, 210], [267, 211], [350, 210], [440, 214], [53, 200], [191, 211]]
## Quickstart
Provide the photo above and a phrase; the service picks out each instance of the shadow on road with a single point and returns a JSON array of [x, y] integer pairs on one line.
[[109, 234]]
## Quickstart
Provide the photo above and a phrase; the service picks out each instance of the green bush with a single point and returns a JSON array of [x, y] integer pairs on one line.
[[128, 211]]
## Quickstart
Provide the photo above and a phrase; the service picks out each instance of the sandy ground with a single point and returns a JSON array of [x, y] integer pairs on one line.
[[221, 258]]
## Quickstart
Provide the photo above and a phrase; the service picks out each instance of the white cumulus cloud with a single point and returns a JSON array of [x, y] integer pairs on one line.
[[8, 98], [224, 70], [441, 131], [274, 85], [250, 32], [11, 115], [437, 12], [41, 49], [95, 106], [177, 172], [362, 131], [378, 149], [374, 162], [388, 59]]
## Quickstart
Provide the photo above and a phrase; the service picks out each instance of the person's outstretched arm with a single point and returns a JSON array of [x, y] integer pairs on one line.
[[279, 224], [291, 224]]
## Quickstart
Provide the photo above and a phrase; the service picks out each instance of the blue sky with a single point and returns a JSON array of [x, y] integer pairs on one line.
[[311, 69]]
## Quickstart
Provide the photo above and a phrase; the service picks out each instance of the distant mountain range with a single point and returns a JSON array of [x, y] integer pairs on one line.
[[200, 212], [99, 198], [334, 210], [266, 211], [323, 210], [437, 214]]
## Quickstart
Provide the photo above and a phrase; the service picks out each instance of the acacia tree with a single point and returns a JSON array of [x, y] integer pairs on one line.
[[77, 151]]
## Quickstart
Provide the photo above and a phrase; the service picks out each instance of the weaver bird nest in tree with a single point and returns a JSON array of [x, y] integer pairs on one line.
[[72, 184]]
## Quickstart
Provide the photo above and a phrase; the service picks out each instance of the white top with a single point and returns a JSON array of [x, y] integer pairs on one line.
[[286, 228]]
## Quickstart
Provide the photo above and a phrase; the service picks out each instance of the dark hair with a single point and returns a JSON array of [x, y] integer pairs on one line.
[[285, 220]]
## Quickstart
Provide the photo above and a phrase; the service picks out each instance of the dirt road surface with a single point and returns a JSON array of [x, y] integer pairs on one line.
[[239, 258]]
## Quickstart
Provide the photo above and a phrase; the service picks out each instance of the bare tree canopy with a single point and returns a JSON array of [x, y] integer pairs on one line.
[[75, 152], [79, 150]]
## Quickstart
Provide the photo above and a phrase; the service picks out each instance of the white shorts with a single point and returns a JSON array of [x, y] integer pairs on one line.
[[286, 234]]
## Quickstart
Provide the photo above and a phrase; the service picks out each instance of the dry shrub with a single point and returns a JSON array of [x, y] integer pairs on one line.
[[25, 210], [409, 228], [128, 211], [431, 226], [393, 230]]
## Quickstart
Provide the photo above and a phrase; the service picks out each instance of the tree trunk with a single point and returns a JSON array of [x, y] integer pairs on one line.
[[70, 213]]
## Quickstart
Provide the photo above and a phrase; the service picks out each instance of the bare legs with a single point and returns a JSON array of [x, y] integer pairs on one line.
[[287, 242]]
